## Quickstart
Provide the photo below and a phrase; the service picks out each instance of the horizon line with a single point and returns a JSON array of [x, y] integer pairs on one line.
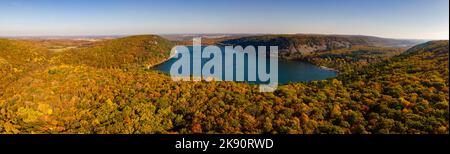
[[219, 33]]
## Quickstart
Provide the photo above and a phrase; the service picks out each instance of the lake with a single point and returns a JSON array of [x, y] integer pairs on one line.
[[288, 71]]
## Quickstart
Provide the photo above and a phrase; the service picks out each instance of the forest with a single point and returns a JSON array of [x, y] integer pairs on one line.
[[108, 87]]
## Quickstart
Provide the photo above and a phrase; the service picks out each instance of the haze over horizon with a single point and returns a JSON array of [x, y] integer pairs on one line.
[[413, 19]]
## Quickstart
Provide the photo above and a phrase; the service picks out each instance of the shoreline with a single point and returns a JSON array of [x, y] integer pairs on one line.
[[329, 69], [158, 63], [320, 66]]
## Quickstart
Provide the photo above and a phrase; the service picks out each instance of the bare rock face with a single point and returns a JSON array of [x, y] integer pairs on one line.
[[296, 46], [296, 51]]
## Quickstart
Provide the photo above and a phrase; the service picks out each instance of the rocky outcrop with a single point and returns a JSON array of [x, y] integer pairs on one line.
[[295, 46]]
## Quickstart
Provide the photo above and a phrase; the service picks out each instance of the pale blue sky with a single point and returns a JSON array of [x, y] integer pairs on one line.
[[419, 19]]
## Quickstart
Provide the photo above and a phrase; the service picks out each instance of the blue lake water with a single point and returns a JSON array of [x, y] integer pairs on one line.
[[288, 71]]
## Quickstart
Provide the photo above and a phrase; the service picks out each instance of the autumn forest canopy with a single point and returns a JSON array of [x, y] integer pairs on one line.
[[108, 87]]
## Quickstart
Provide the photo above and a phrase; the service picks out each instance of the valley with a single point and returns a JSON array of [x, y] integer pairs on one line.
[[383, 87]]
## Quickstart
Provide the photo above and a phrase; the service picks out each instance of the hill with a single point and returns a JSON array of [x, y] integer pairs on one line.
[[19, 57], [207, 39], [127, 52], [411, 90], [298, 45], [352, 58]]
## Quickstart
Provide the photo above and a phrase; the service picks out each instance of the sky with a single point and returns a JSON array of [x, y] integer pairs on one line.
[[411, 19]]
